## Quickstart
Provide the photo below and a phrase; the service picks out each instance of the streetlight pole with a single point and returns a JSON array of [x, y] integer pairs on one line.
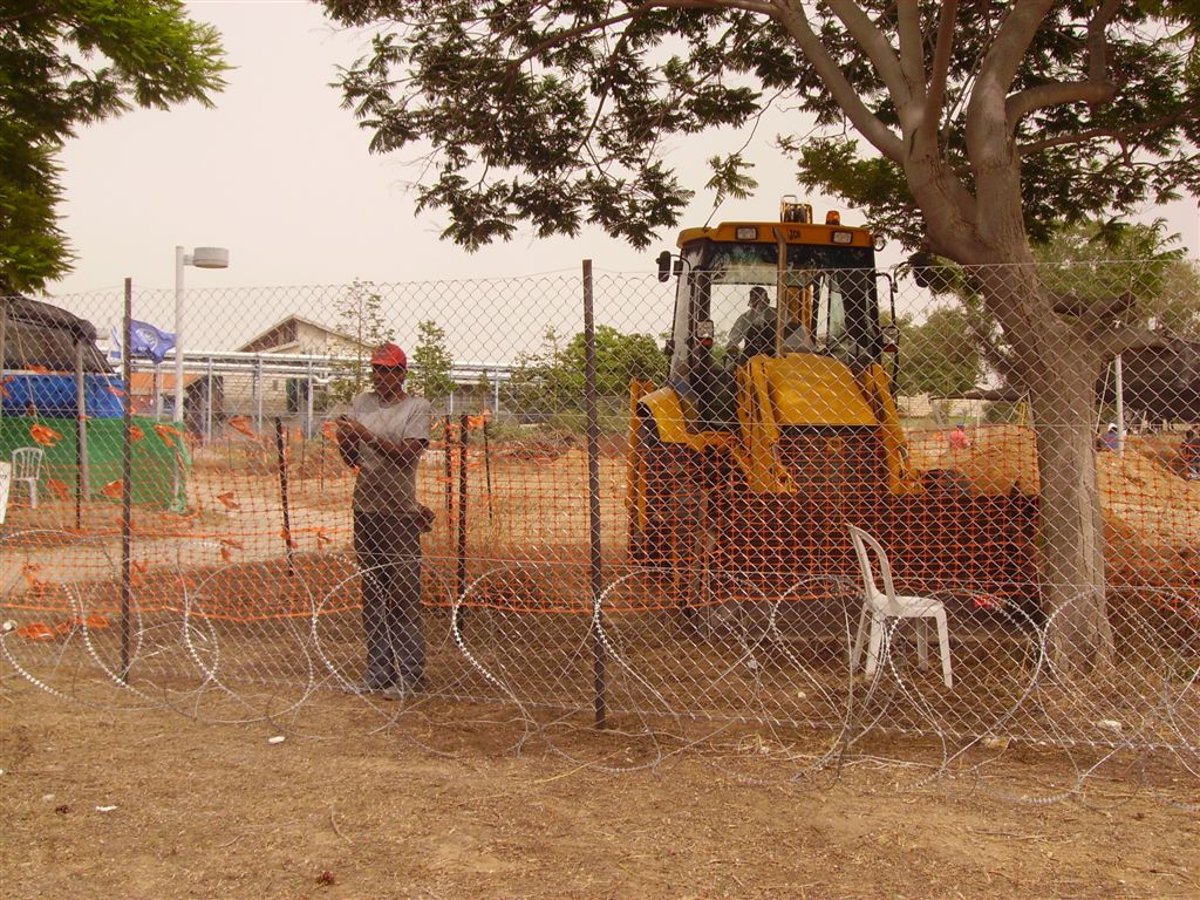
[[201, 258], [181, 260]]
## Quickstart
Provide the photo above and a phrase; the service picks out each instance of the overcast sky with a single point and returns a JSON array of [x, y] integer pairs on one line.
[[279, 174]]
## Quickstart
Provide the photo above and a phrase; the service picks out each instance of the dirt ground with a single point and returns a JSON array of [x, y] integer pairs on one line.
[[99, 802]]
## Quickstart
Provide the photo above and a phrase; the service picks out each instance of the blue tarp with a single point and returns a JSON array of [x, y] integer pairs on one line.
[[54, 395]]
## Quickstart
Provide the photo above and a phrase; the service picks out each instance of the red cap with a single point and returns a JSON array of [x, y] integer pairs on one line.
[[389, 355]]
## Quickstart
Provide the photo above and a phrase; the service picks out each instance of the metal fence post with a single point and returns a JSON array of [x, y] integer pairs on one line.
[[208, 405], [461, 568], [82, 489], [593, 457], [126, 486], [258, 393], [308, 403], [158, 397], [282, 463], [4, 301]]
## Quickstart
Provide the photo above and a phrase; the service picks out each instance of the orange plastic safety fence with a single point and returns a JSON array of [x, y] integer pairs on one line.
[[1027, 499]]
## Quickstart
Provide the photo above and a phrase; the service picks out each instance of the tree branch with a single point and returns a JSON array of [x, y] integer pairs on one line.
[[37, 9], [1094, 313], [763, 7], [793, 17], [933, 183], [1096, 89], [988, 132], [938, 75], [1026, 101], [601, 98], [1004, 57], [1098, 41], [1080, 137], [860, 27], [986, 124], [1095, 321], [993, 355], [1122, 339], [912, 50]]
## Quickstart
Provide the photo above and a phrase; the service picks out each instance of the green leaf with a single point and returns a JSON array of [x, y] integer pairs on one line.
[[73, 63]]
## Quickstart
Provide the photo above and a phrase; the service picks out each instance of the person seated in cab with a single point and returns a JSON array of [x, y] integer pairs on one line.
[[754, 330]]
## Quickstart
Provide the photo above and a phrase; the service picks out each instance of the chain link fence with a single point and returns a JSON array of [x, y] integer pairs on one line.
[[658, 542]]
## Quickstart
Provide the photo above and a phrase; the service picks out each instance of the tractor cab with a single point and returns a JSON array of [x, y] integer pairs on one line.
[[768, 289], [778, 424]]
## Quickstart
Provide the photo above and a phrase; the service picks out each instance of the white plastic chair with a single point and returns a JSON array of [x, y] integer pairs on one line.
[[881, 605], [27, 468]]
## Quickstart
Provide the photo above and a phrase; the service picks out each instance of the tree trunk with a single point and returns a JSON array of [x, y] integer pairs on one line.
[[1072, 531], [1059, 368], [1052, 358]]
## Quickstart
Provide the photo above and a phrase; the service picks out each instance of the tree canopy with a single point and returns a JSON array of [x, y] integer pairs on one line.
[[1094, 259], [361, 320], [1082, 264], [551, 381], [940, 355], [431, 363], [561, 112], [69, 63]]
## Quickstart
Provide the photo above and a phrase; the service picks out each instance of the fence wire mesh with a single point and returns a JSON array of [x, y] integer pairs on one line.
[[573, 524]]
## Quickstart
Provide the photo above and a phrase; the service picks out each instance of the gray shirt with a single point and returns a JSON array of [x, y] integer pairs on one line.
[[751, 318], [383, 485]]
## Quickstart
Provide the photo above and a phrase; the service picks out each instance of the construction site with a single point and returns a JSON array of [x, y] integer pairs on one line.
[[672, 560], [641, 564]]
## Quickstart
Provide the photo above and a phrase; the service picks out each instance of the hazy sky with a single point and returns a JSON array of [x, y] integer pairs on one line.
[[279, 174]]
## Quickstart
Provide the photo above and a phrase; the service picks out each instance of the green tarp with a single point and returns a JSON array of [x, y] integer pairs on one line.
[[155, 461]]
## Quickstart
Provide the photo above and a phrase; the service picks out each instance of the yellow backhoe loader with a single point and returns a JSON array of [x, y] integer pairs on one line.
[[777, 425]]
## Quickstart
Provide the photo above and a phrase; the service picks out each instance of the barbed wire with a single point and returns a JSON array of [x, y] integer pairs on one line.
[[730, 709]]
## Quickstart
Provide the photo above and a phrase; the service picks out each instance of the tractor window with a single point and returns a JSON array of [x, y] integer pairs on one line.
[[829, 303], [828, 298], [735, 317], [831, 334], [723, 285], [688, 301], [847, 325]]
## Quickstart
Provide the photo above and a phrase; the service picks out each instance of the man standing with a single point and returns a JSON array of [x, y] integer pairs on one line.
[[385, 437], [1111, 439], [958, 438], [1189, 450]]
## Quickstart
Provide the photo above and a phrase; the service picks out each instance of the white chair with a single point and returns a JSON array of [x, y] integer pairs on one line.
[[881, 605], [27, 469]]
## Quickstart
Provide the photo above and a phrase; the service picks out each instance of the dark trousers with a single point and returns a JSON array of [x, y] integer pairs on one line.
[[388, 548]]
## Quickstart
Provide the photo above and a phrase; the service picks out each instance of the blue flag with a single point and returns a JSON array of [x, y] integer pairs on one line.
[[146, 340]]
